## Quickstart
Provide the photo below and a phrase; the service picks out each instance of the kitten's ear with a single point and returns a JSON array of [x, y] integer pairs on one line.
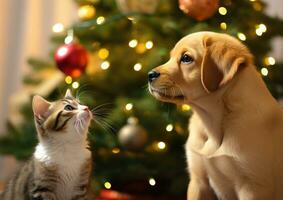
[[40, 106], [68, 94]]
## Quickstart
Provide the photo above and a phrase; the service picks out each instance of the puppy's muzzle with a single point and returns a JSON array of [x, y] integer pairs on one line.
[[152, 75]]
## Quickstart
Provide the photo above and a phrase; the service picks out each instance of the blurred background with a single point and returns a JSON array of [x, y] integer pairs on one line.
[[103, 51]]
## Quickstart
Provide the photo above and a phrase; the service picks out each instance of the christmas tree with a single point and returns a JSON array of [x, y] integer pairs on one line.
[[105, 57]]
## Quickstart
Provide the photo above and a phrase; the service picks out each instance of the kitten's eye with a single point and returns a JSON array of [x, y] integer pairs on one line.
[[186, 59], [69, 108]]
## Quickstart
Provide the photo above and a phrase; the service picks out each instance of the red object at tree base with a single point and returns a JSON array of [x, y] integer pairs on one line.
[[115, 195], [71, 59], [199, 9]]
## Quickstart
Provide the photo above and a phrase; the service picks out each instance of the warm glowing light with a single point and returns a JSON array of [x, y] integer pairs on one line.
[[222, 11], [105, 65], [107, 185], [169, 127], [100, 20], [161, 145], [131, 18], [137, 67], [103, 53], [129, 106], [258, 32], [262, 27], [68, 79], [86, 12], [133, 43], [223, 26], [141, 48], [75, 85], [152, 181], [76, 73], [242, 36], [269, 61], [186, 107], [57, 28], [115, 150], [264, 71], [149, 44]]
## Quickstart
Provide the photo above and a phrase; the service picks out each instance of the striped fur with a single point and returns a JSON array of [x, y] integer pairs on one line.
[[61, 165]]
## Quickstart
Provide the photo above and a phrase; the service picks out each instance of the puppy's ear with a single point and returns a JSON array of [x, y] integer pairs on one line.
[[220, 62]]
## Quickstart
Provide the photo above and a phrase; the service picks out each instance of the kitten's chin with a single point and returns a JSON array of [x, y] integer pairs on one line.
[[81, 126], [82, 122]]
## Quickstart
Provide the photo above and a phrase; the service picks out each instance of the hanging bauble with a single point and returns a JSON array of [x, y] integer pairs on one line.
[[71, 59], [86, 12], [199, 9], [143, 6], [132, 136]]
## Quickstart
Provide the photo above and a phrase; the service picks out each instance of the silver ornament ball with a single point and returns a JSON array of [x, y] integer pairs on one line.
[[132, 136]]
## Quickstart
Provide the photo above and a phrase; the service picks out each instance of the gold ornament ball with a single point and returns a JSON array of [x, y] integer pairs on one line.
[[86, 12], [132, 136], [199, 9]]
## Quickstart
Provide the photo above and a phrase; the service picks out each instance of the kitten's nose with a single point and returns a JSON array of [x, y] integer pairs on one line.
[[87, 112], [153, 75]]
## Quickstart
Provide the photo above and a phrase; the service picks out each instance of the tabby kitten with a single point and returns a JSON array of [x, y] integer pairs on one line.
[[61, 164]]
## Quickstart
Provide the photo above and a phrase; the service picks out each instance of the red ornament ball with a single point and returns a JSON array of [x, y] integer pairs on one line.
[[199, 9], [71, 59]]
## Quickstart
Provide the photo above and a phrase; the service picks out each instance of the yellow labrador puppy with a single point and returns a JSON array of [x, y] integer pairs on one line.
[[235, 146]]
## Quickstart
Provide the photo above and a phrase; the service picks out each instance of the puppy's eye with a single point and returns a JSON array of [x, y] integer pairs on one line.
[[186, 59], [69, 108]]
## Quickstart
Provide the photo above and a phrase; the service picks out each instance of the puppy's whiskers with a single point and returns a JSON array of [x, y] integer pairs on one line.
[[182, 92], [147, 88], [165, 91]]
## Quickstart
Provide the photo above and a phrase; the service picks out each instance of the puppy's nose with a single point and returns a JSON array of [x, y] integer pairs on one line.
[[153, 75]]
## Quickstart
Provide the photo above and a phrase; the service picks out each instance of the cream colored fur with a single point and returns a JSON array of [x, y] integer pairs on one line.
[[68, 151], [68, 159], [235, 146]]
